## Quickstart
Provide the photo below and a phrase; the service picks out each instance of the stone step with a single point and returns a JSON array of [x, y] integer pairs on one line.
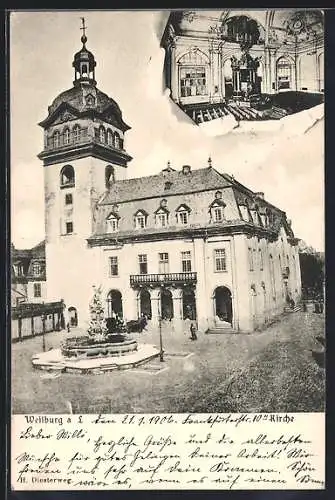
[[220, 331]]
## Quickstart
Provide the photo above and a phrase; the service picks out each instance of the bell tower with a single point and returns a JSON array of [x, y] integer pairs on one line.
[[83, 154]]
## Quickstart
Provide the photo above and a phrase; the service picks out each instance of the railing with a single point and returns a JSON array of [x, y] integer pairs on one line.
[[164, 279]]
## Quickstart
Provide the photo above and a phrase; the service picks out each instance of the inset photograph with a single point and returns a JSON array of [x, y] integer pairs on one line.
[[244, 65]]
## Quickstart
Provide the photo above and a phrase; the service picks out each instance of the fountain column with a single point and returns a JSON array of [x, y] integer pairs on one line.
[[155, 306]]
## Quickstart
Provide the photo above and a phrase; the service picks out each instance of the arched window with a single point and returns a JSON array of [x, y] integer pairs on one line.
[[76, 133], [56, 139], [109, 176], [182, 214], [117, 140], [102, 135], [66, 136], [67, 176], [192, 74], [284, 73], [110, 138]]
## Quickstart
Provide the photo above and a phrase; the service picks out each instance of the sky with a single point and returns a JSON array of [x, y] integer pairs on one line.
[[286, 164]]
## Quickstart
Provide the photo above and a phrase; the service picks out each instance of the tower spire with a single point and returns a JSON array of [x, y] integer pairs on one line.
[[83, 28]]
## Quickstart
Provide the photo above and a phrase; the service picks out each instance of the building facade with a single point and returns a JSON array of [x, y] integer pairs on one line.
[[180, 245], [28, 275]]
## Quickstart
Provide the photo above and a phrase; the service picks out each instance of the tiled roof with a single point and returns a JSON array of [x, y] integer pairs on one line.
[[155, 185]]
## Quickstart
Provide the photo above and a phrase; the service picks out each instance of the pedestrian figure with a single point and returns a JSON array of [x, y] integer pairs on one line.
[[193, 332]]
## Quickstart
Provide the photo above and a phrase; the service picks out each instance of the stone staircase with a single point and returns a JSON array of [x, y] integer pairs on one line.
[[224, 328]]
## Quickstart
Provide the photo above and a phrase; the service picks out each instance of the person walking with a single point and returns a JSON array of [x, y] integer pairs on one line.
[[193, 332]]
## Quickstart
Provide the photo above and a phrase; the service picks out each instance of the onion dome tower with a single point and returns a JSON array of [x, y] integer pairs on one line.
[[83, 121]]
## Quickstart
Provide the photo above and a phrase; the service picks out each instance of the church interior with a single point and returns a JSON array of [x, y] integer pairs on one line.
[[253, 65]]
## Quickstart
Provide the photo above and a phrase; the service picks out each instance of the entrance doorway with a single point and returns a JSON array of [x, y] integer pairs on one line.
[[114, 304], [166, 304], [189, 306], [145, 303], [223, 304], [73, 317]]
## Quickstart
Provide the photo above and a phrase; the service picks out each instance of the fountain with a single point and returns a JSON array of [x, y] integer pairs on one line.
[[105, 346], [101, 340]]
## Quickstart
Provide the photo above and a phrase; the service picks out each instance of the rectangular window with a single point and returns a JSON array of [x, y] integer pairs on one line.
[[220, 260], [183, 218], [113, 265], [163, 263], [37, 290], [161, 220], [68, 199], [69, 227], [143, 263], [113, 224], [140, 222], [37, 268], [251, 259], [261, 261], [186, 262], [218, 214], [193, 81]]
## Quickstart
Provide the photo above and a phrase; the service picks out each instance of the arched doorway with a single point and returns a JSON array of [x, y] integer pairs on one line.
[[166, 304], [73, 317], [223, 304], [189, 306], [114, 304], [145, 303], [284, 74]]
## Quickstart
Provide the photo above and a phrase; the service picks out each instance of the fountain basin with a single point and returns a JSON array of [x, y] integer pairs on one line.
[[84, 347], [54, 361]]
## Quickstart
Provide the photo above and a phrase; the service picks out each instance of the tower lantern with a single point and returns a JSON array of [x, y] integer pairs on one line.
[[84, 63]]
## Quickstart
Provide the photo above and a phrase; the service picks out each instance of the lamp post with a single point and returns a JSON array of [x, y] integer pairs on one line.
[[43, 332], [161, 351]]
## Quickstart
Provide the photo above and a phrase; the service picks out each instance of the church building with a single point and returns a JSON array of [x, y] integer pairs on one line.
[[180, 245]]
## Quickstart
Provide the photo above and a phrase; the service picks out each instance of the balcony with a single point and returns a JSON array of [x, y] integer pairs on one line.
[[163, 279]]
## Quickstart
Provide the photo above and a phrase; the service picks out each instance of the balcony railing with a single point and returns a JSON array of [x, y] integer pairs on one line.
[[162, 279]]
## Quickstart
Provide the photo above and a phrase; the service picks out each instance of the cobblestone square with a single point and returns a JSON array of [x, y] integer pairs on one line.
[[269, 371]]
